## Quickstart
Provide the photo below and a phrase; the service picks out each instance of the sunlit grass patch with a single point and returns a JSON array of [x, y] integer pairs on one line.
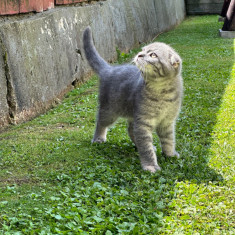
[[209, 208]]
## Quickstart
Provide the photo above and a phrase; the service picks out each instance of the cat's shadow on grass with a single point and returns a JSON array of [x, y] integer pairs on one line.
[[123, 156]]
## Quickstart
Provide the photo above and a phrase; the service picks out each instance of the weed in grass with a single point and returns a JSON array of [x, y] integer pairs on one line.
[[54, 181]]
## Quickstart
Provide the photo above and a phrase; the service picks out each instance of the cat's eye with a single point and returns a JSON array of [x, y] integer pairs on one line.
[[153, 55]]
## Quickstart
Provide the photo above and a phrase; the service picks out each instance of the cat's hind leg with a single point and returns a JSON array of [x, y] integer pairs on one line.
[[144, 143], [166, 135], [104, 120]]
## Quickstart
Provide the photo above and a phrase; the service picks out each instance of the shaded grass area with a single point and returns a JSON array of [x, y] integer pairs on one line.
[[54, 181]]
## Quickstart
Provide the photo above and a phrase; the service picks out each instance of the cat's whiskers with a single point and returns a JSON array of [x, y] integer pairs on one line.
[[141, 65], [132, 61]]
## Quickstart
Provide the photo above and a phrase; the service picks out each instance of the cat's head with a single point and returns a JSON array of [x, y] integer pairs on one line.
[[158, 61]]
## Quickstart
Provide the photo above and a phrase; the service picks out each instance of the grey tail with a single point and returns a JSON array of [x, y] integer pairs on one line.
[[96, 62]]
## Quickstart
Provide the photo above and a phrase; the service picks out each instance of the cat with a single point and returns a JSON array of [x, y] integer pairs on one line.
[[148, 94]]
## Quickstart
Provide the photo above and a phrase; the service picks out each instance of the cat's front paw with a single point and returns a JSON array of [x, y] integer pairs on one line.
[[98, 140], [152, 169]]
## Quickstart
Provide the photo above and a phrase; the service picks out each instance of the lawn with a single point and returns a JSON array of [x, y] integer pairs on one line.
[[54, 181]]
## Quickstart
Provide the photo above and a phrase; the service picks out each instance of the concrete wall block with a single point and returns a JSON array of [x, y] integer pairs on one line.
[[131, 22], [147, 21], [98, 18], [119, 16], [180, 10], [169, 13], [41, 63]]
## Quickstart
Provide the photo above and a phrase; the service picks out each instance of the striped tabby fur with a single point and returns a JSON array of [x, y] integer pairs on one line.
[[149, 95]]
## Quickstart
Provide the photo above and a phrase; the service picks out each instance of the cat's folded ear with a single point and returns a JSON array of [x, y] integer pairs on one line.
[[175, 61]]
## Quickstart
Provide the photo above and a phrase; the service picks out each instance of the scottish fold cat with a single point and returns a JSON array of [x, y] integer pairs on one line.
[[148, 94]]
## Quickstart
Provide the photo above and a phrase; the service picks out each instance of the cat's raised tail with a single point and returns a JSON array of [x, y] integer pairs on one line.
[[97, 63]]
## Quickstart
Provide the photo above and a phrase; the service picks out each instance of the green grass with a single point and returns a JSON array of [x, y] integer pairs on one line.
[[54, 181]]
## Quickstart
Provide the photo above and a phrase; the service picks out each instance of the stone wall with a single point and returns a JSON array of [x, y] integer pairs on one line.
[[41, 54]]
